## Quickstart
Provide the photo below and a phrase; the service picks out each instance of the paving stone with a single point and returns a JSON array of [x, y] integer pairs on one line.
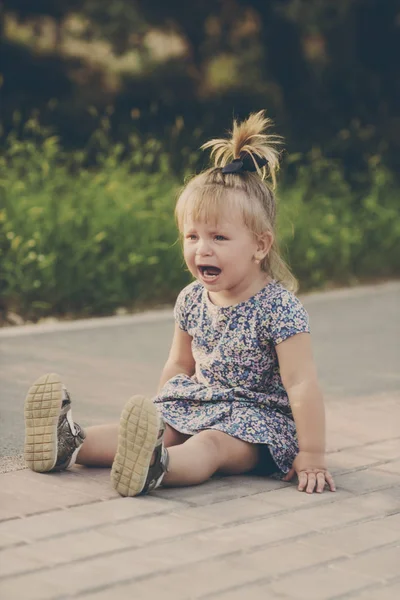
[[357, 538], [124, 592], [348, 460], [156, 528], [229, 511], [126, 508], [8, 513], [251, 593], [391, 467], [76, 577], [321, 583], [84, 575], [291, 498], [7, 540], [366, 480], [197, 580], [133, 591], [62, 489], [14, 506], [220, 489], [394, 492], [379, 564], [45, 525], [28, 588], [265, 531], [388, 591], [193, 581], [349, 510], [48, 553], [384, 450], [145, 591], [283, 558], [372, 426], [82, 479], [18, 560], [336, 440]]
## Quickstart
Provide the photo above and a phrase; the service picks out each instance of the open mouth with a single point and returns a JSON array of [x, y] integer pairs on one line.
[[208, 272]]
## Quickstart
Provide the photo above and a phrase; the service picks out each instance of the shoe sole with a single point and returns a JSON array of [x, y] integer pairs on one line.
[[42, 411], [138, 434]]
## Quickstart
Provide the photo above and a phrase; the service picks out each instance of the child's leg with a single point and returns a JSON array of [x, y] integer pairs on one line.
[[100, 446], [142, 461], [53, 441], [101, 442], [204, 454]]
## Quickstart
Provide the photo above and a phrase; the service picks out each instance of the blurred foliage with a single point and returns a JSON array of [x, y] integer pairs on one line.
[[78, 238], [79, 241], [327, 70], [127, 91]]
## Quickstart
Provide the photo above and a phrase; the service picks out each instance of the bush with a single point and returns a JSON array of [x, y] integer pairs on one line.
[[75, 240], [334, 235], [83, 239]]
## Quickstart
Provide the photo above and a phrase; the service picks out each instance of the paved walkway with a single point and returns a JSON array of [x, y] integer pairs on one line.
[[69, 535]]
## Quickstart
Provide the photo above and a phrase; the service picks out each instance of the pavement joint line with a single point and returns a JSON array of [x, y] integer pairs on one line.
[[165, 314], [279, 513], [69, 506], [330, 562], [190, 504], [168, 540], [220, 557], [350, 470], [376, 586], [52, 510], [128, 548], [365, 445], [329, 529], [373, 490], [160, 513], [13, 545], [388, 471], [96, 527]]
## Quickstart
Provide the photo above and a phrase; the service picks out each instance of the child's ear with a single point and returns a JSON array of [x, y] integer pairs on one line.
[[264, 243]]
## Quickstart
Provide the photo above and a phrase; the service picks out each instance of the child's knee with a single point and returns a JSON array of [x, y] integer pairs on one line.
[[215, 440]]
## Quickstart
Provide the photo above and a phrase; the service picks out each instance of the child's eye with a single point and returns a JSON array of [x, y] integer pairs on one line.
[[191, 236], [220, 238]]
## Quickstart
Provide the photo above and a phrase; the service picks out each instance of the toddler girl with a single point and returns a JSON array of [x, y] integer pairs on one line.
[[239, 390]]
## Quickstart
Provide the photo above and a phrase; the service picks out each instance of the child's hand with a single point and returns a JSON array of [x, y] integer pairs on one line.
[[311, 472]]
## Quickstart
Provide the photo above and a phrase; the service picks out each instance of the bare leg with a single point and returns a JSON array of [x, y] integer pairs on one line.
[[100, 445], [207, 452]]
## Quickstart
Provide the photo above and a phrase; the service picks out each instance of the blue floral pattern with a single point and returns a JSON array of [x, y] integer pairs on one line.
[[237, 386]]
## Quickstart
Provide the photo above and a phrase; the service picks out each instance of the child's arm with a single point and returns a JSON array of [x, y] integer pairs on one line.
[[180, 359], [299, 377]]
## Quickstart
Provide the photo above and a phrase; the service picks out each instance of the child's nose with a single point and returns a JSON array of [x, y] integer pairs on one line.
[[204, 248]]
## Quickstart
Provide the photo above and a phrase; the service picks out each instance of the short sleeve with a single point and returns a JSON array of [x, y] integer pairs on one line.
[[180, 314], [288, 317]]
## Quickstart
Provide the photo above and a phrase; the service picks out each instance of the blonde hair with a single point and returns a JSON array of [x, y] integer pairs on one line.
[[206, 195]]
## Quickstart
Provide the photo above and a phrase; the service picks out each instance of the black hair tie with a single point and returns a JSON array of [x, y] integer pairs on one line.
[[245, 163]]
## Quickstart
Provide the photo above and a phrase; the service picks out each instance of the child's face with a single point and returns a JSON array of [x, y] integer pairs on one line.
[[222, 255]]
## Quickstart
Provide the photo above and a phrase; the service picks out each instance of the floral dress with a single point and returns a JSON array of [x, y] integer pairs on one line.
[[237, 386]]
